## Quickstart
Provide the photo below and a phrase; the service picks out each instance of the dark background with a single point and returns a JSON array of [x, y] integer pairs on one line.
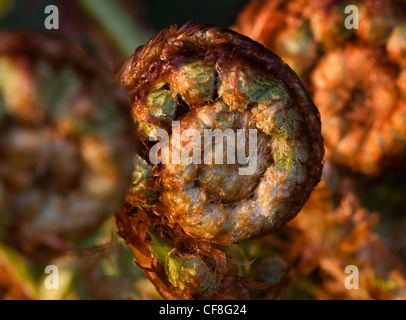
[[158, 14]]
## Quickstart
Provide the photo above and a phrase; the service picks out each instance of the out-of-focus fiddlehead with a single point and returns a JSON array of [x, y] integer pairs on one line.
[[65, 145]]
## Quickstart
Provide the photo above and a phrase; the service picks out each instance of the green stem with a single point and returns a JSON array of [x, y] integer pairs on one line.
[[115, 21]]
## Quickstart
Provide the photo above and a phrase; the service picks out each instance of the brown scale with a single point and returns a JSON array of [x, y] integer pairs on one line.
[[159, 195]]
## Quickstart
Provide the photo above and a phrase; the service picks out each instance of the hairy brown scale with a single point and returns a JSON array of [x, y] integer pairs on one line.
[[211, 78]]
